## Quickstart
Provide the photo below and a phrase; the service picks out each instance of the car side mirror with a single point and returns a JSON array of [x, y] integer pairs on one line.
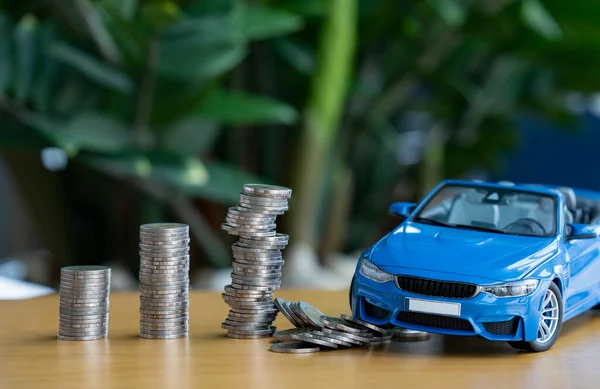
[[580, 231], [402, 209]]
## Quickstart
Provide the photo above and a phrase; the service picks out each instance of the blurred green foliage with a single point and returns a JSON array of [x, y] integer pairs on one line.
[[186, 100]]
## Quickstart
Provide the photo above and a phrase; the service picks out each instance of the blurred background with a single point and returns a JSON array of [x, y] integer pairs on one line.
[[115, 113]]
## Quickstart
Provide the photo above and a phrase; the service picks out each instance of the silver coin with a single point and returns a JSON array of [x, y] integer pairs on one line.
[[247, 336], [165, 297], [311, 339], [363, 338], [254, 287], [163, 337], [287, 334], [83, 333], [174, 250], [84, 303], [250, 293], [258, 298], [255, 266], [88, 269], [164, 315], [256, 283], [149, 292], [294, 307], [406, 334], [259, 211], [259, 228], [251, 322], [238, 212], [267, 246], [177, 278], [311, 314], [162, 241], [257, 273], [166, 227], [261, 199], [379, 339], [257, 301], [236, 248], [82, 324], [287, 312], [246, 310], [364, 324], [97, 337], [160, 258], [343, 337], [265, 190], [164, 325], [294, 348], [251, 224], [275, 209], [158, 268], [272, 316], [267, 262], [84, 293], [336, 323], [164, 234], [166, 304], [249, 218], [251, 203], [161, 272], [253, 332], [243, 327], [66, 310], [161, 332], [323, 336]]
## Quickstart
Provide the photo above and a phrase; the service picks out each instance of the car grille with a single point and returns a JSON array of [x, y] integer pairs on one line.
[[435, 321], [375, 311], [508, 327], [427, 287]]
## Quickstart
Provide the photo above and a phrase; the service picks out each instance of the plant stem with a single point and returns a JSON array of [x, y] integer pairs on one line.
[[322, 116]]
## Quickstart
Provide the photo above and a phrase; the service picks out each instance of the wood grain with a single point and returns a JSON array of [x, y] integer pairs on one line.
[[31, 357]]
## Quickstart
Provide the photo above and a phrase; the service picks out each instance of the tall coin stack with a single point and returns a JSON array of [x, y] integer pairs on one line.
[[164, 280], [257, 260], [84, 302]]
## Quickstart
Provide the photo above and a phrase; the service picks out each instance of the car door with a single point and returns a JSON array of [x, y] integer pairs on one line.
[[584, 270]]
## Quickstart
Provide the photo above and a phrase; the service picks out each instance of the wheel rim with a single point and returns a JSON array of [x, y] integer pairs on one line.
[[549, 318]]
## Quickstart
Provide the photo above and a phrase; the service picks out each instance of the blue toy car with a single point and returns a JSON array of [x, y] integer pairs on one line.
[[503, 261]]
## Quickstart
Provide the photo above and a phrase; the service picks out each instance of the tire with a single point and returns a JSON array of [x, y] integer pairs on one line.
[[540, 345]]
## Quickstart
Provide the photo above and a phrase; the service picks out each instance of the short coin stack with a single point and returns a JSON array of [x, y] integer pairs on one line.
[[315, 331], [84, 302], [164, 280], [257, 260]]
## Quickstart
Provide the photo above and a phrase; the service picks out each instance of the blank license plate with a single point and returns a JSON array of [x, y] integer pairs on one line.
[[417, 305]]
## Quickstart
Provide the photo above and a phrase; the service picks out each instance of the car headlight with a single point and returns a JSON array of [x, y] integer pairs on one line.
[[514, 289], [374, 273]]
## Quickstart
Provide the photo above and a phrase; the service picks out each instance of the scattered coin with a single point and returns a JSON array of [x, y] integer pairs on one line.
[[257, 260], [164, 280], [408, 335], [293, 348], [84, 299]]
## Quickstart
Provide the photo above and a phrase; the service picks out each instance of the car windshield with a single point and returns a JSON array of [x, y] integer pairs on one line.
[[498, 210]]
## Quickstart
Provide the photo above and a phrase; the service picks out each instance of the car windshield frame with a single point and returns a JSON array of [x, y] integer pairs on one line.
[[433, 196]]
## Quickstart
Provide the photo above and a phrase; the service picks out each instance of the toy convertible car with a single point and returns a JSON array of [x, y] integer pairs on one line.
[[506, 262]]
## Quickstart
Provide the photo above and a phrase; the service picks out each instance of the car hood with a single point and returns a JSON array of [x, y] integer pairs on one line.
[[466, 252]]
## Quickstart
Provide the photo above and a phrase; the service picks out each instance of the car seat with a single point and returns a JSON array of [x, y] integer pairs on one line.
[[468, 208]]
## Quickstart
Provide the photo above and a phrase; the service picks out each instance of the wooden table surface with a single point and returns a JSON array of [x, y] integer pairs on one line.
[[31, 357]]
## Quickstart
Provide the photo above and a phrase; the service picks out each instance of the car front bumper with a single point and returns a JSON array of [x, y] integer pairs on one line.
[[502, 319]]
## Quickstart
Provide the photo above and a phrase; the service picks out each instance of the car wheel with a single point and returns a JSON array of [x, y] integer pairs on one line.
[[549, 325]]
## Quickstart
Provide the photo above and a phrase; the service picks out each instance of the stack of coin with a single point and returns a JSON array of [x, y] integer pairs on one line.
[[164, 280], [315, 331], [257, 260], [84, 302]]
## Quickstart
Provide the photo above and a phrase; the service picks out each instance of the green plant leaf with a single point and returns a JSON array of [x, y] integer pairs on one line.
[[537, 17], [105, 75], [452, 12], [94, 132], [26, 48], [45, 83], [160, 15], [236, 107], [190, 135], [201, 48], [297, 56], [260, 22], [309, 8], [6, 68]]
